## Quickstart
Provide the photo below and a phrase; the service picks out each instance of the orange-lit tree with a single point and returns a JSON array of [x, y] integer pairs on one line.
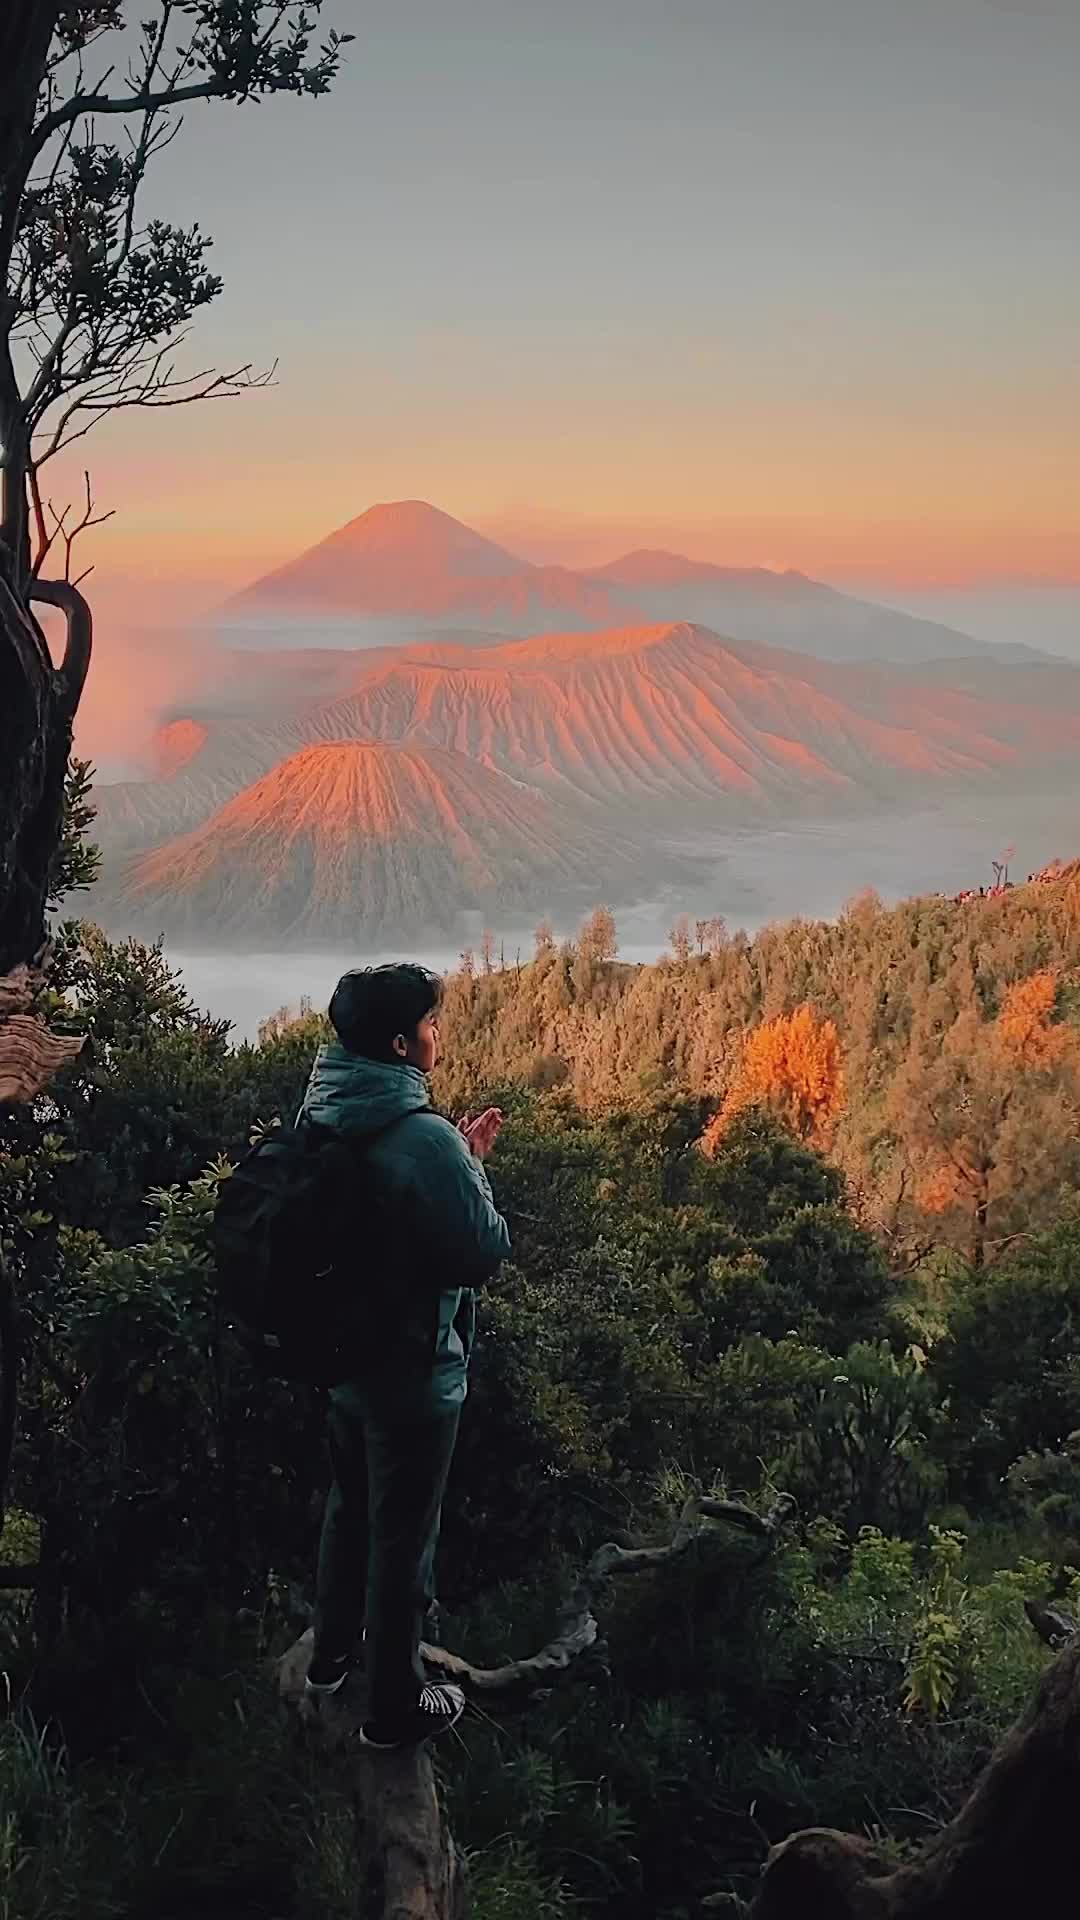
[[988, 1117], [792, 1066]]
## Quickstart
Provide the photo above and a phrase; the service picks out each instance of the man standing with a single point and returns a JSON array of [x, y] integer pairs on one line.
[[436, 1236]]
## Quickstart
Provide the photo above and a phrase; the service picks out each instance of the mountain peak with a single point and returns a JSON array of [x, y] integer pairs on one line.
[[404, 567], [408, 565], [401, 556], [337, 787], [419, 528]]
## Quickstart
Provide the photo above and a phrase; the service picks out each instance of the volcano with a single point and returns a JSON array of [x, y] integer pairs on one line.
[[363, 841], [408, 564], [671, 720], [673, 716]]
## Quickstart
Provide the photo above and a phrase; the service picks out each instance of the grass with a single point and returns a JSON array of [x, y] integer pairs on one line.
[[232, 1812]]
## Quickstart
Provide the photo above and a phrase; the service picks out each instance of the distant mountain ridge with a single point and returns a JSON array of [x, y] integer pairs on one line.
[[780, 610], [404, 566]]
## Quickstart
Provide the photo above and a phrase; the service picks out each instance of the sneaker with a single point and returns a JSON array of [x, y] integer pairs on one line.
[[328, 1672], [438, 1709]]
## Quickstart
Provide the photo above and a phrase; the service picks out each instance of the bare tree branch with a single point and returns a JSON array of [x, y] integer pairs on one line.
[[61, 529], [101, 103], [149, 380], [44, 538]]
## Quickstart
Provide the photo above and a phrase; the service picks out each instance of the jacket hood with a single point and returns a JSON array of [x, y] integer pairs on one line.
[[361, 1096]]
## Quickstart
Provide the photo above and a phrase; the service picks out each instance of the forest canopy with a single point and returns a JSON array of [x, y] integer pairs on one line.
[[932, 1048]]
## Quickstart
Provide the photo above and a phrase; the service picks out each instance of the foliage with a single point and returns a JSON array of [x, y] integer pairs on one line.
[[1008, 1369], [988, 1112], [202, 1812], [791, 1066], [936, 1004], [76, 860], [1026, 1029]]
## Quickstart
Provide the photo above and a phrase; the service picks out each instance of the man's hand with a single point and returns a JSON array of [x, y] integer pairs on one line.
[[482, 1131]]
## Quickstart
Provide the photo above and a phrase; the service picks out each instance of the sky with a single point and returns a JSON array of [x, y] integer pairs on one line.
[[775, 282]]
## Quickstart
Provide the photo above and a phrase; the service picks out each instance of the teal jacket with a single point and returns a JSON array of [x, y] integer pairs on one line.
[[441, 1234]]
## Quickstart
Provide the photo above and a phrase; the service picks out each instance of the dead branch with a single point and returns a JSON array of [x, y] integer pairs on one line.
[[147, 380], [69, 535], [70, 676], [577, 1630], [30, 1055]]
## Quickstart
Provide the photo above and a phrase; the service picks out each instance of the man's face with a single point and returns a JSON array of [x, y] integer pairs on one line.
[[422, 1050]]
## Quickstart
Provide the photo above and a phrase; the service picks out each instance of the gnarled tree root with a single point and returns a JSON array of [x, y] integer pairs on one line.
[[1012, 1852]]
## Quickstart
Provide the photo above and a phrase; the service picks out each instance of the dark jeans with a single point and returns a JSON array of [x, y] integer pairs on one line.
[[377, 1551]]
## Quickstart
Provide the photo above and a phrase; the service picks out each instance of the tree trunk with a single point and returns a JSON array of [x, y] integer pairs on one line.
[[406, 1863], [26, 31], [1011, 1851], [37, 708], [37, 700], [37, 703]]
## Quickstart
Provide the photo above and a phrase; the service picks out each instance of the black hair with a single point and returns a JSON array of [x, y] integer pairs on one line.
[[372, 1005]]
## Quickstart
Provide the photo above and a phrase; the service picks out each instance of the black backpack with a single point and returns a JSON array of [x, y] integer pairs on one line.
[[294, 1227]]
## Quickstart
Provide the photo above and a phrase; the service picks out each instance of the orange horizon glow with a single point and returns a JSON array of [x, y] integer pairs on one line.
[[169, 574], [209, 499]]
